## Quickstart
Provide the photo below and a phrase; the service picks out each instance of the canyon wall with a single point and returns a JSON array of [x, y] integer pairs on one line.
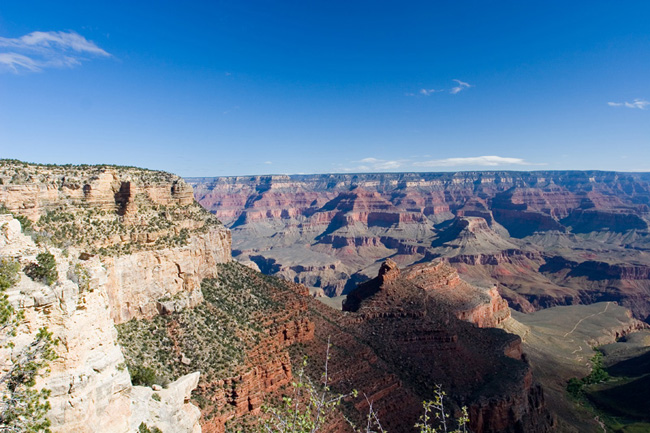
[[128, 243], [91, 389], [510, 229]]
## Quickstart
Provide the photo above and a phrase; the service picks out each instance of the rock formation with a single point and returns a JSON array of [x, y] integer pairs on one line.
[[421, 326], [128, 243], [331, 232], [91, 390]]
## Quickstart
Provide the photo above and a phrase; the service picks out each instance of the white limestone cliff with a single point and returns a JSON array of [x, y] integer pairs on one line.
[[91, 390]]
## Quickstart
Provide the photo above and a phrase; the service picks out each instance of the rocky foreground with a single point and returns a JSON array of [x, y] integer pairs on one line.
[[546, 238], [128, 243]]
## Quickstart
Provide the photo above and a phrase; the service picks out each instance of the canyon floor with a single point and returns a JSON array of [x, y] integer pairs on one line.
[[560, 343]]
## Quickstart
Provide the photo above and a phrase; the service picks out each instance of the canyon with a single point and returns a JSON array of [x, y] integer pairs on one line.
[[158, 326], [542, 238]]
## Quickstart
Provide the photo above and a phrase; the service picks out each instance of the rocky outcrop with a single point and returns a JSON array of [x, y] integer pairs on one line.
[[525, 411], [152, 238], [129, 243], [436, 280], [416, 320], [90, 387], [36, 189], [146, 283], [167, 408], [268, 370]]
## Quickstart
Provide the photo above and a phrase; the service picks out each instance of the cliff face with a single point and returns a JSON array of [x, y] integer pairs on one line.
[[430, 327], [493, 227], [33, 190], [553, 193], [128, 243], [91, 390], [238, 337], [147, 283], [154, 241]]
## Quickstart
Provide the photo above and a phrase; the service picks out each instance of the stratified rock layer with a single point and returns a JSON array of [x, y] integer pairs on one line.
[[333, 231], [423, 326]]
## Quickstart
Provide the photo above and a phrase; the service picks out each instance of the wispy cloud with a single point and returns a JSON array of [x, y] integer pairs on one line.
[[374, 164], [40, 50], [417, 164], [427, 92], [641, 104], [484, 161], [460, 87]]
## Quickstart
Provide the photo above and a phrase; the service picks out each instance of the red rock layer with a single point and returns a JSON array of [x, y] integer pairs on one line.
[[268, 366]]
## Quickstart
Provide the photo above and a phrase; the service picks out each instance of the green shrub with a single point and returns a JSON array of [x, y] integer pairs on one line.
[[45, 270], [23, 408], [598, 374], [25, 222], [143, 428], [9, 269], [81, 276], [142, 376]]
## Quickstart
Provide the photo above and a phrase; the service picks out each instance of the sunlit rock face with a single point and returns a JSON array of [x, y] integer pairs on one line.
[[128, 243]]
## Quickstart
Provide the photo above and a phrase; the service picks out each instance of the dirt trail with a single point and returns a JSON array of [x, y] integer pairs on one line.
[[586, 317]]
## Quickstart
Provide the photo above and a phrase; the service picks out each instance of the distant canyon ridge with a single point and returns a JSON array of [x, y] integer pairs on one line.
[[544, 238]]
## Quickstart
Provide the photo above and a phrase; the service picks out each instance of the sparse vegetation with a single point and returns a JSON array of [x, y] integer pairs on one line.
[[142, 376], [44, 270], [311, 404], [79, 275], [143, 428], [435, 419], [598, 374], [214, 335], [9, 269], [23, 408], [105, 229]]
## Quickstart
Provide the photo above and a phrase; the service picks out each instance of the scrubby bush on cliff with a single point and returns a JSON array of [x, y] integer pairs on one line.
[[22, 407], [434, 410], [142, 376], [44, 270], [143, 428], [24, 221], [9, 269]]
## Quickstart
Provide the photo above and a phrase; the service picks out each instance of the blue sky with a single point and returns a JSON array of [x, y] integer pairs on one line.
[[238, 87]]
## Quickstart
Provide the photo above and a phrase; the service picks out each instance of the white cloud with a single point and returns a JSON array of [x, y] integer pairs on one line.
[[374, 164], [461, 86], [486, 161], [371, 164], [16, 62], [268, 162], [39, 50], [641, 104], [427, 92]]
